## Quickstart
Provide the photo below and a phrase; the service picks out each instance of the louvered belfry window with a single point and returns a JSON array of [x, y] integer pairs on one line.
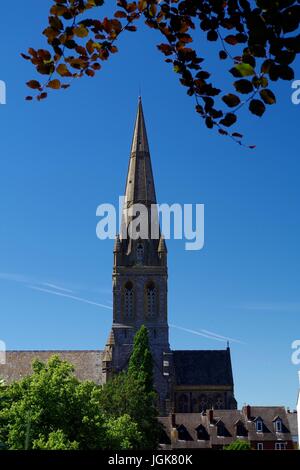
[[128, 300]]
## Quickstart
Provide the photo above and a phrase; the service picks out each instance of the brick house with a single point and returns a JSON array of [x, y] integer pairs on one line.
[[264, 427]]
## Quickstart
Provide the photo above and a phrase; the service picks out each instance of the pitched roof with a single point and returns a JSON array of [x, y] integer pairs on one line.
[[203, 367], [268, 414], [87, 363], [293, 423], [230, 419]]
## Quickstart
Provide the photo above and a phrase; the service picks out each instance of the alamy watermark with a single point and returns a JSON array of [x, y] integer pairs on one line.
[[296, 94], [2, 92], [295, 358], [2, 352], [139, 221]]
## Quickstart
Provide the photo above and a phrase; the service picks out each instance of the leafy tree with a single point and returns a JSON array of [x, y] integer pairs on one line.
[[117, 439], [238, 444], [51, 409], [131, 393], [57, 440], [140, 363], [259, 39]]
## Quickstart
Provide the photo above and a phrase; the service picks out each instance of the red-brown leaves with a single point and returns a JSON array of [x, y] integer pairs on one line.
[[34, 84], [78, 45], [54, 84]]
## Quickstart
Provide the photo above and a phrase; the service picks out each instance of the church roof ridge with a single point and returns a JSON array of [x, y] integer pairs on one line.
[[51, 350], [200, 350]]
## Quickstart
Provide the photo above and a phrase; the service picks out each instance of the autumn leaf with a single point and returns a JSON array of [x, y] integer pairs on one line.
[[242, 70], [54, 84], [243, 86], [231, 100], [81, 31], [268, 96], [257, 107], [34, 84], [63, 71]]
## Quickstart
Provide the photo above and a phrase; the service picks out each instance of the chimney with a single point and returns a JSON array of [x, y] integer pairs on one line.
[[174, 432], [211, 416], [248, 412]]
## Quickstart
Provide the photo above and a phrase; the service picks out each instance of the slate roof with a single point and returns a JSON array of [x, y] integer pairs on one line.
[[188, 423], [87, 363], [268, 414], [292, 419], [203, 367]]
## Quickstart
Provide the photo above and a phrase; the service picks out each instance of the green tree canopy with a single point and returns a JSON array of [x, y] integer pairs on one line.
[[51, 409], [141, 363], [57, 440], [238, 444], [132, 392]]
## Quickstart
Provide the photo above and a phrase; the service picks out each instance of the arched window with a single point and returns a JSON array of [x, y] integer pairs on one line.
[[139, 253], [183, 403], [151, 303], [219, 403], [202, 403], [128, 300]]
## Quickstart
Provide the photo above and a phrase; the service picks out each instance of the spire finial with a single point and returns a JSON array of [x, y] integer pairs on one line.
[[140, 140]]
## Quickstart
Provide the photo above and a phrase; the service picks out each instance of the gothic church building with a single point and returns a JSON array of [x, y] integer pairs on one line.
[[187, 381]]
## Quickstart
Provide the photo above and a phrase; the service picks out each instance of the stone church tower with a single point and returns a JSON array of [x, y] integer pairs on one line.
[[187, 381], [140, 272]]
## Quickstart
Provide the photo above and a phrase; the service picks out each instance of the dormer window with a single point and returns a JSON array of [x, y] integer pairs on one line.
[[278, 425], [259, 425], [241, 431], [221, 429], [202, 434], [183, 434]]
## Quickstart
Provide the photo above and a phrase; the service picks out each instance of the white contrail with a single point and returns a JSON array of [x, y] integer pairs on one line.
[[206, 334], [29, 280], [195, 332], [223, 337], [54, 289], [73, 297], [54, 286]]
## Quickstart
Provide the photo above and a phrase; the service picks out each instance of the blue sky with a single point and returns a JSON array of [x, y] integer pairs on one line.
[[63, 157]]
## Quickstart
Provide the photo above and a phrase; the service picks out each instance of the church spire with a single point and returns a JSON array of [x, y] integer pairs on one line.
[[140, 231], [140, 139], [140, 187], [140, 271]]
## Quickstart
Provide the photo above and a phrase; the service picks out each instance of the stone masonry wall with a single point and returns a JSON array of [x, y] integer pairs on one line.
[[87, 364]]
